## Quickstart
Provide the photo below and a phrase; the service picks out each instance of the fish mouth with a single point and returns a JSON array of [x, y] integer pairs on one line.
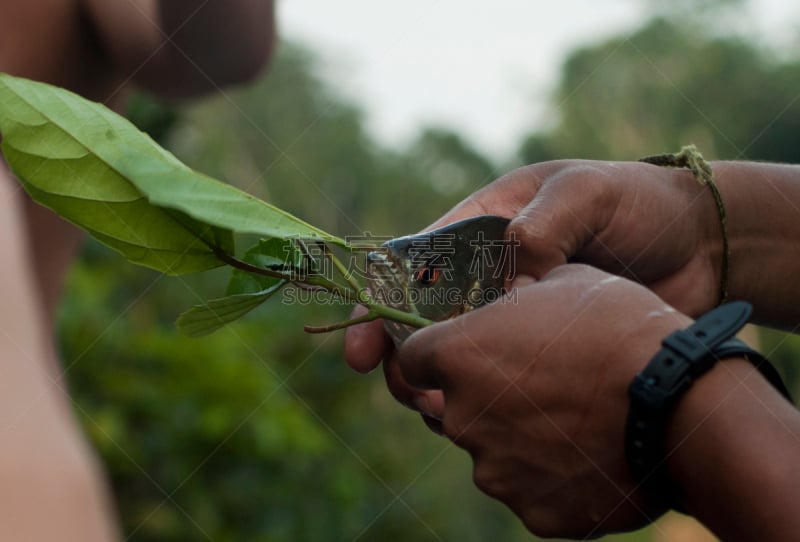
[[387, 279]]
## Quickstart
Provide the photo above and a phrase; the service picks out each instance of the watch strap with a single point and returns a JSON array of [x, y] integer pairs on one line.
[[685, 355]]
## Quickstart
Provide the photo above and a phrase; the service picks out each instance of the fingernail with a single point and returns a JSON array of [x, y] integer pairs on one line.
[[423, 404]]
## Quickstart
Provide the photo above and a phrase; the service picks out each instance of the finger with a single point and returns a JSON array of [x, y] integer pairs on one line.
[[568, 211], [419, 356], [573, 273], [504, 197], [397, 385], [466, 209], [365, 345], [434, 425], [521, 281], [428, 402]]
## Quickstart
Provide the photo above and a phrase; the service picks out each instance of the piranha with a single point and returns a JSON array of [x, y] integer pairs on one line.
[[442, 273]]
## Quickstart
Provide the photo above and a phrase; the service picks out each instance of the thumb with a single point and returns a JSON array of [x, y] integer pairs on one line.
[[421, 355], [564, 216]]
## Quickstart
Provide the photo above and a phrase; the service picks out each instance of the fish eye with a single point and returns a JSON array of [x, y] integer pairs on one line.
[[427, 275]]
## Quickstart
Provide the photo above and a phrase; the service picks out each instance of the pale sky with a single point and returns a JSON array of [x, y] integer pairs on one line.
[[482, 68]]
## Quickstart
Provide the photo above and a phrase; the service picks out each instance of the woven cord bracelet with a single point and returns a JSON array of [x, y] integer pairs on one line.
[[689, 157]]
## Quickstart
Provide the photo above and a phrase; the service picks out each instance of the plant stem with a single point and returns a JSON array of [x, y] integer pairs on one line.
[[233, 261], [370, 316], [389, 313], [355, 292], [363, 298], [375, 311], [332, 287], [355, 286]]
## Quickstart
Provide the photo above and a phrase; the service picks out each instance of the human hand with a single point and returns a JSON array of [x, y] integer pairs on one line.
[[653, 225], [180, 49], [535, 389]]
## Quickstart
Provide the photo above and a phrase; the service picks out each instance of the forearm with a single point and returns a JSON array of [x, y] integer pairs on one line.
[[735, 455], [762, 202], [180, 48], [52, 488]]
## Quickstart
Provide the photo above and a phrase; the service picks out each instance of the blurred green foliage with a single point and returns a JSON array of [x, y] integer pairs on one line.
[[669, 84], [259, 432]]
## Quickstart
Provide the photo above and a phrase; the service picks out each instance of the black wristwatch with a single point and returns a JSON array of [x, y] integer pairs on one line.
[[685, 355]]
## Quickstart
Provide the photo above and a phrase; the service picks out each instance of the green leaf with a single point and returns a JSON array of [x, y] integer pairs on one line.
[[55, 164], [144, 234], [246, 290], [99, 171], [266, 253], [204, 319]]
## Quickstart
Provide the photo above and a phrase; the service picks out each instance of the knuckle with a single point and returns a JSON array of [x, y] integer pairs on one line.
[[485, 478], [397, 385], [540, 519], [490, 476], [542, 530], [452, 429], [428, 351], [543, 523]]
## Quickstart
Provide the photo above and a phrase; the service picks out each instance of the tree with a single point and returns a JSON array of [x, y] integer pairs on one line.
[[667, 85]]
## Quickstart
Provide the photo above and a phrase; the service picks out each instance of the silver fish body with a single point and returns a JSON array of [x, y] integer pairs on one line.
[[441, 273]]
